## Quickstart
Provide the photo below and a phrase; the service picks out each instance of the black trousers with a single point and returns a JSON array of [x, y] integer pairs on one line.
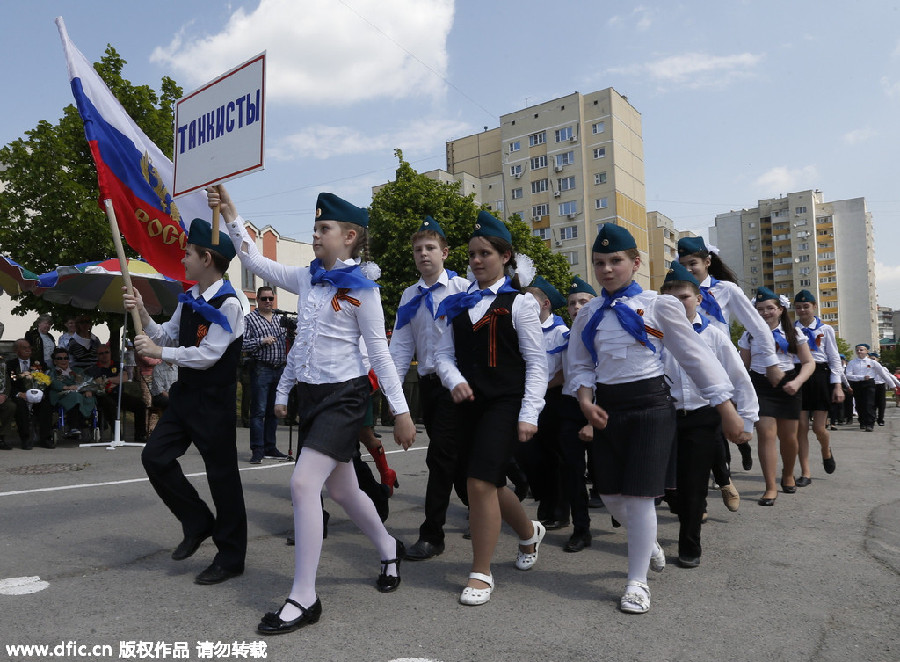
[[439, 415], [42, 411], [572, 467], [880, 402], [699, 444], [209, 423], [540, 459], [864, 396]]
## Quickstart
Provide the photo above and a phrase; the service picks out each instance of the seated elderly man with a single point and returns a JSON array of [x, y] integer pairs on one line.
[[110, 380], [66, 391], [18, 370], [7, 407]]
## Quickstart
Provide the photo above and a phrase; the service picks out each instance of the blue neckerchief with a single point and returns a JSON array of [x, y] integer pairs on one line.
[[565, 345], [702, 324], [206, 311], [709, 305], [557, 321], [780, 340], [344, 277], [810, 338], [454, 304], [628, 318], [408, 310]]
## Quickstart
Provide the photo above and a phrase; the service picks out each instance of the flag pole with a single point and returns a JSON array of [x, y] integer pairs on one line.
[[215, 226], [123, 262]]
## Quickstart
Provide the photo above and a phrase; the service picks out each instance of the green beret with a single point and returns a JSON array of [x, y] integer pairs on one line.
[[679, 273], [578, 286], [763, 293], [329, 207], [691, 245], [613, 238], [201, 235], [556, 299], [804, 296], [431, 224], [489, 225]]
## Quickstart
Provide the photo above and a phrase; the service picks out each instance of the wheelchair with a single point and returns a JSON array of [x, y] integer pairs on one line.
[[63, 430]]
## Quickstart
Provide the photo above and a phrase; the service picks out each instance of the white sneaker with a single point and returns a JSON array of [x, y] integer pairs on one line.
[[636, 599], [526, 561], [477, 596], [658, 559]]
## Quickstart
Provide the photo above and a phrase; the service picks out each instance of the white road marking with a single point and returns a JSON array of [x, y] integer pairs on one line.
[[276, 465], [22, 585]]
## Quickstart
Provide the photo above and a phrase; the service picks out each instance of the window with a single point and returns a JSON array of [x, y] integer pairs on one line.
[[571, 256], [538, 162], [598, 127], [515, 170], [803, 247], [826, 267], [540, 185], [567, 158], [540, 210], [829, 255], [828, 279], [601, 203], [752, 225], [599, 152], [516, 193], [564, 134], [599, 177], [754, 270], [804, 271], [777, 213], [566, 208], [803, 258], [566, 183], [569, 232], [823, 219], [499, 205], [543, 233], [799, 210], [515, 146], [537, 138], [248, 279]]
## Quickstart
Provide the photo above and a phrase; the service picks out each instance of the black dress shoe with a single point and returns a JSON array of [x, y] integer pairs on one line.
[[788, 489], [554, 524], [423, 550], [688, 561], [271, 623], [189, 545], [829, 464], [216, 574], [577, 542], [870, 428], [803, 481], [386, 583], [765, 501], [880, 422]]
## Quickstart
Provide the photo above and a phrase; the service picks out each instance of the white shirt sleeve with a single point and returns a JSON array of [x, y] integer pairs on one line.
[[210, 349], [272, 272], [744, 393], [403, 344], [370, 317], [527, 323], [741, 308]]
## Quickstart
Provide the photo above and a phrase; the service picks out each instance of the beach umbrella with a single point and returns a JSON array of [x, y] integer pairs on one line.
[[98, 286], [14, 278]]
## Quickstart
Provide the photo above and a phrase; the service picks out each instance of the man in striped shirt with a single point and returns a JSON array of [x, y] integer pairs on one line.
[[265, 343]]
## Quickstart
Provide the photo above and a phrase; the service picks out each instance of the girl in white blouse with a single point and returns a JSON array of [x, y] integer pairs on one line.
[[336, 305]]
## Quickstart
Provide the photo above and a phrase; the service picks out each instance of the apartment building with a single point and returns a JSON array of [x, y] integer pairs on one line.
[[565, 166], [800, 241], [663, 240]]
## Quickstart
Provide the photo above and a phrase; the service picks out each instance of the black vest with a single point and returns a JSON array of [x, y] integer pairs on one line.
[[487, 352], [191, 330]]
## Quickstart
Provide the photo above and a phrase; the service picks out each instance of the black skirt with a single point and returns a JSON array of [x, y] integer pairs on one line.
[[331, 416], [773, 401], [815, 394], [634, 455]]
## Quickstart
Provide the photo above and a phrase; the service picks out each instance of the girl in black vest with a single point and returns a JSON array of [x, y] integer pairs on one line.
[[492, 360]]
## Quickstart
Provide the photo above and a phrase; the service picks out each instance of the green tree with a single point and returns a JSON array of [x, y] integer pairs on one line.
[[49, 214], [397, 211], [843, 347]]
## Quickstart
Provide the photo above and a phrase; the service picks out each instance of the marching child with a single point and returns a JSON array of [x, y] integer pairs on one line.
[[779, 406], [337, 304], [699, 425], [491, 359], [861, 373], [613, 366], [203, 339], [822, 389], [416, 333]]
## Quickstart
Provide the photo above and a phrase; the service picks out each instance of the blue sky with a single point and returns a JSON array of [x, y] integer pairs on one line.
[[740, 100]]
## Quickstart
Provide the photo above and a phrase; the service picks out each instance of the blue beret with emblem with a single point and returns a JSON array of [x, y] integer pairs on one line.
[[678, 273], [578, 285], [330, 207], [489, 225], [612, 238], [200, 234], [804, 296], [764, 294], [691, 245], [556, 299], [430, 224]]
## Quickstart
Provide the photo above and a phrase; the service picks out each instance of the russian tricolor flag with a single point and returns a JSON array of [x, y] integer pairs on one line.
[[132, 172]]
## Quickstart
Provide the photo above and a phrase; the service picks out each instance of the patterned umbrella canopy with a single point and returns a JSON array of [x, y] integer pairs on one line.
[[98, 286], [14, 278]]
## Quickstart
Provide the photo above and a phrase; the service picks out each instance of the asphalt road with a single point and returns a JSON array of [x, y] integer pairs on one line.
[[813, 578]]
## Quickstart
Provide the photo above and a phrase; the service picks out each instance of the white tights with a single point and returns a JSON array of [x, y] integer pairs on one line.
[[313, 470], [638, 515]]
